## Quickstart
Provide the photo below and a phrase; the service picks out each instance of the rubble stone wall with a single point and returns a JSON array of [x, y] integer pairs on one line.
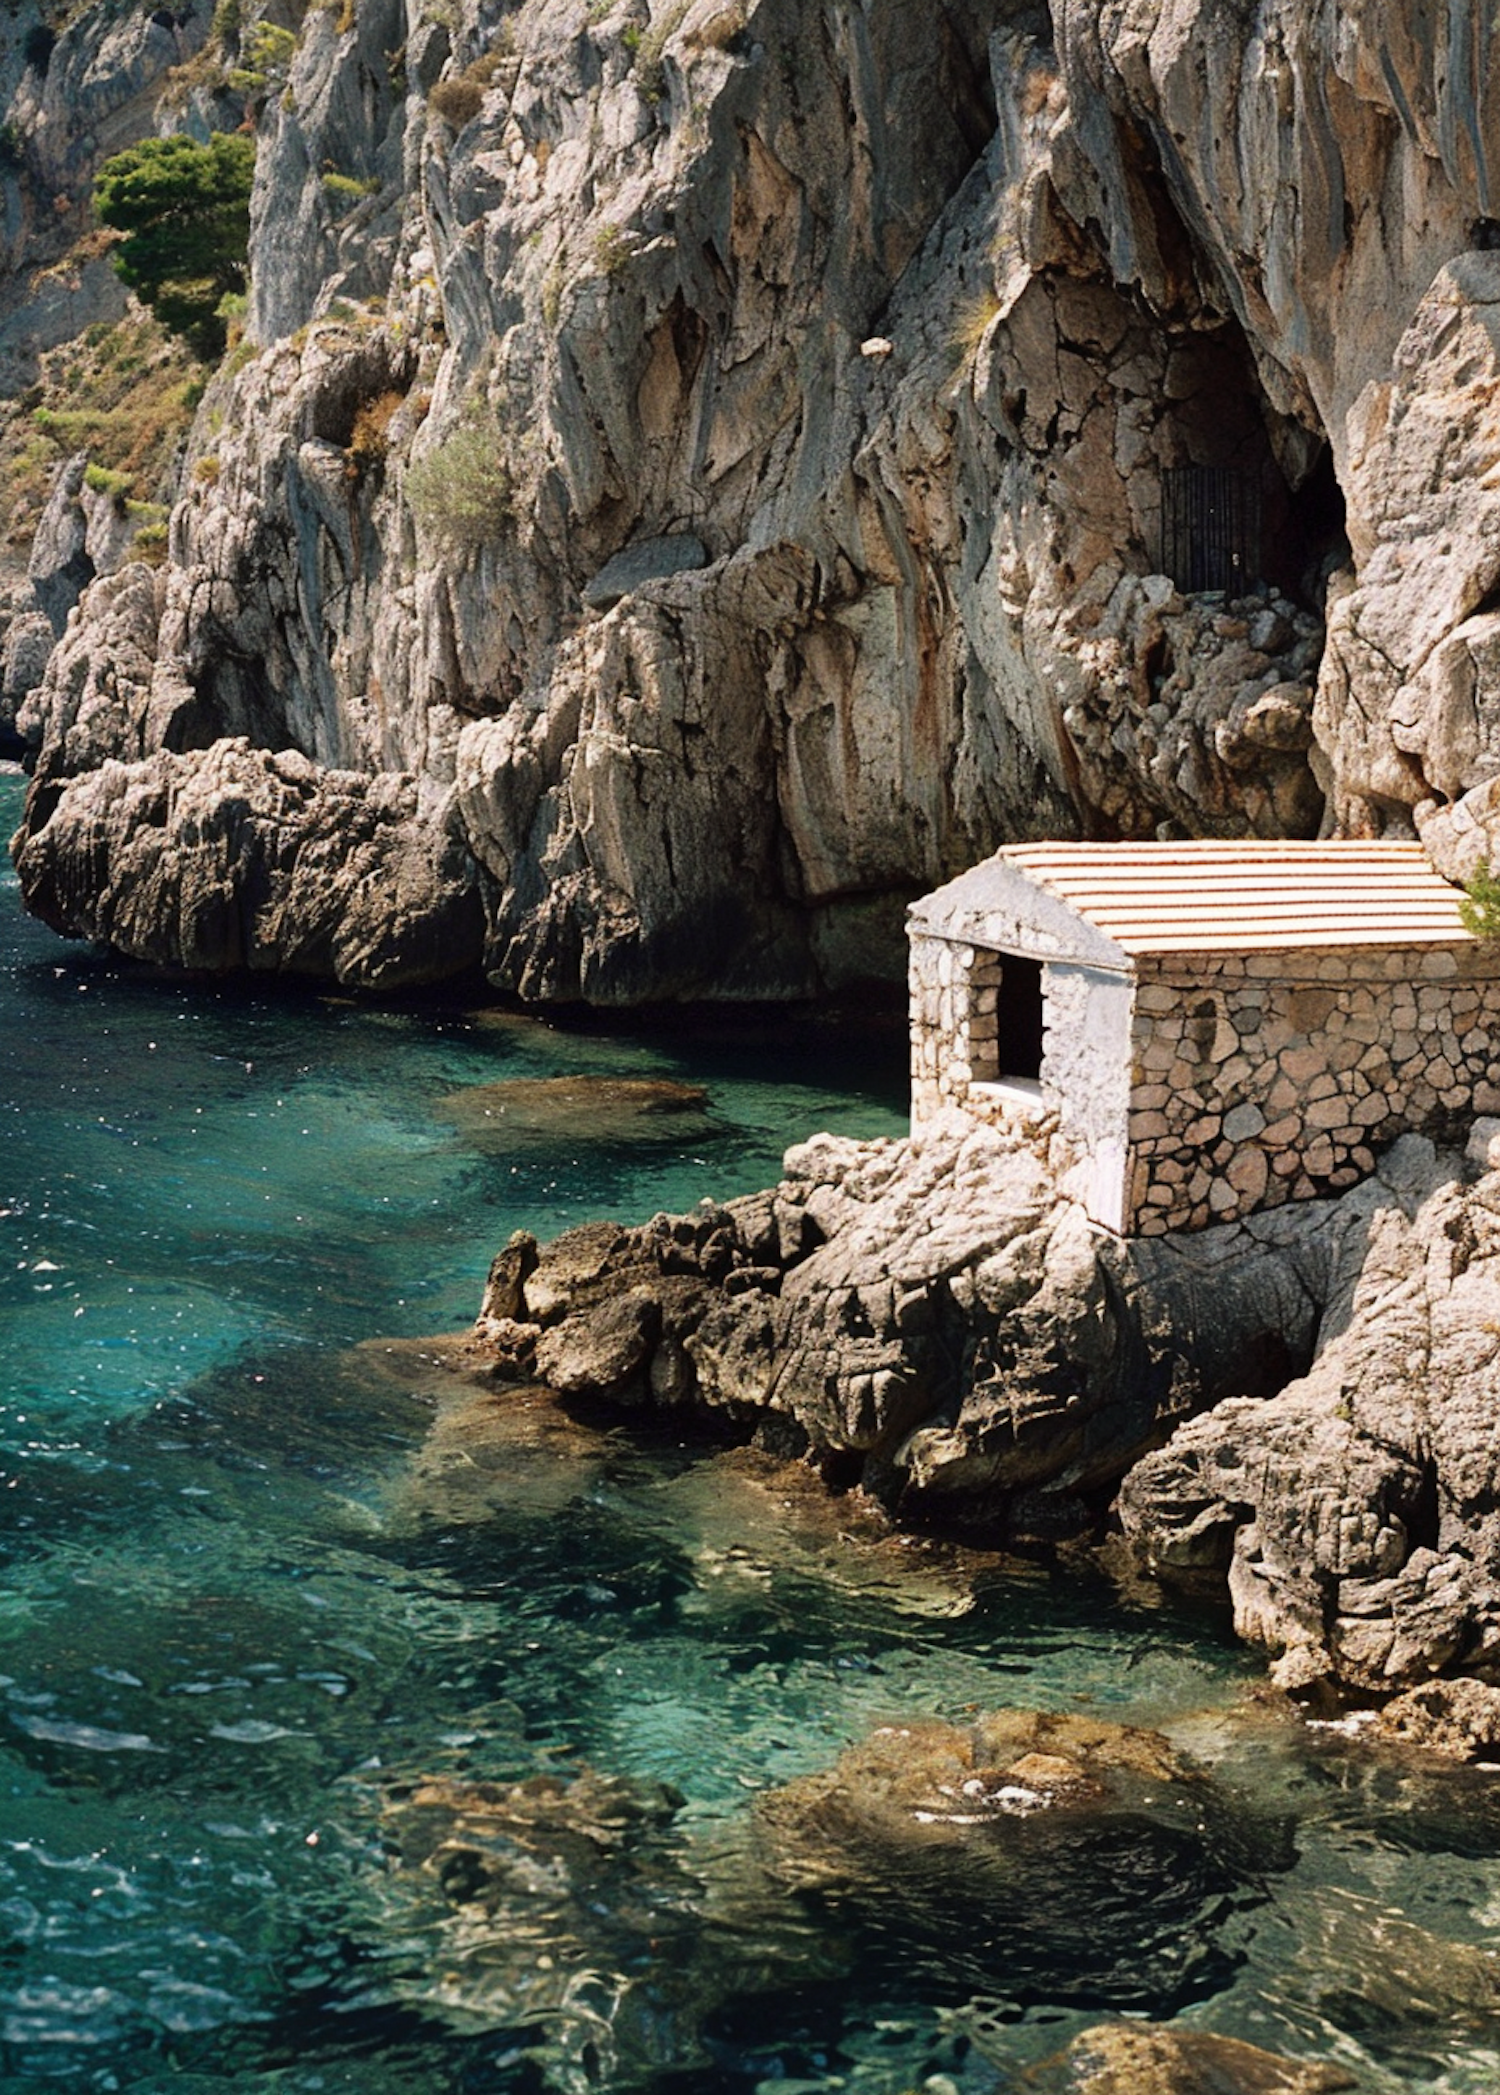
[[1080, 1108], [1209, 1086], [953, 995], [1265, 1077]]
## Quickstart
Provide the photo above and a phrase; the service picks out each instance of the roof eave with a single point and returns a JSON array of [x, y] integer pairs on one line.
[[999, 908]]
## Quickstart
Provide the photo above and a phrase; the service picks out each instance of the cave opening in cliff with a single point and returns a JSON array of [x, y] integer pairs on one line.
[[1316, 542]]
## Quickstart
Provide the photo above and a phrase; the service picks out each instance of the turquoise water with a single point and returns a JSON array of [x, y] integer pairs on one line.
[[266, 1576]]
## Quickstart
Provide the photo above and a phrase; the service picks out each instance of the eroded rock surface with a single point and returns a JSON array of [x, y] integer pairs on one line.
[[927, 1318], [1356, 1516]]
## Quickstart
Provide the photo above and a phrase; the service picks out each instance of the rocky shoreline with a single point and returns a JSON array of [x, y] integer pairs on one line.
[[1288, 1414]]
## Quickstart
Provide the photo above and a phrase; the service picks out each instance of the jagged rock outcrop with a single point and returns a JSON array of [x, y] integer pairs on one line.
[[930, 1320], [23, 663], [1459, 1719], [1356, 1516], [249, 860], [60, 566]]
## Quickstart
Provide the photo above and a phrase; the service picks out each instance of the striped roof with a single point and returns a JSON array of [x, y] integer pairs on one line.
[[1240, 897]]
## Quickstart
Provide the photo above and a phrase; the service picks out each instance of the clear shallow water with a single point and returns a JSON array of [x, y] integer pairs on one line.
[[263, 1577]]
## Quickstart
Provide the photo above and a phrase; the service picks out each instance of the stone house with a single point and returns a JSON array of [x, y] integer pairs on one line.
[[1198, 1030]]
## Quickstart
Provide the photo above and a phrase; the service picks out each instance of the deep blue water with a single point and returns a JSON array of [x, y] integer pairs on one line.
[[265, 1576]]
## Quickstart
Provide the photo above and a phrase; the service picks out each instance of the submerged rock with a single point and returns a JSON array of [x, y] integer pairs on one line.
[[575, 1109], [1135, 2058], [750, 1521], [561, 1890], [492, 1453], [569, 1841], [1366, 1969], [1027, 1852]]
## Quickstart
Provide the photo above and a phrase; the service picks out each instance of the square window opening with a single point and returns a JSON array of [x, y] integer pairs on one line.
[[1014, 1051]]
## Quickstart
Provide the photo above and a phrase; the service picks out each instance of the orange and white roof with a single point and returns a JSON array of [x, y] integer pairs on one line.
[[1204, 897], [1200, 897]]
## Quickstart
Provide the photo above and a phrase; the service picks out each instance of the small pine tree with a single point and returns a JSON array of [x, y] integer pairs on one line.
[[185, 211]]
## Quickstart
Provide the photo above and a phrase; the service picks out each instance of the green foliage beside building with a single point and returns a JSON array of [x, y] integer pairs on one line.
[[1480, 907]]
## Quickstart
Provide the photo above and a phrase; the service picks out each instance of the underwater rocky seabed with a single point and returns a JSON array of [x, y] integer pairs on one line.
[[367, 1728]]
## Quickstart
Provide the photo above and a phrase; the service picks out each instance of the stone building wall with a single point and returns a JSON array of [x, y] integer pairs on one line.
[[1081, 1105], [1207, 1086], [1086, 1072], [953, 992], [1265, 1077]]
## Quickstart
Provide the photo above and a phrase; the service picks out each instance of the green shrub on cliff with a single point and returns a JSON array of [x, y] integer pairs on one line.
[[185, 211], [266, 54], [460, 491], [124, 392]]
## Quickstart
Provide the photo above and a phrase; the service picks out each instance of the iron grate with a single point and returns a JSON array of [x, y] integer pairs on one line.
[[1210, 529]]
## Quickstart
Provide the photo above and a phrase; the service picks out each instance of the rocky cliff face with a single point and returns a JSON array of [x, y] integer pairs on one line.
[[75, 86], [866, 335]]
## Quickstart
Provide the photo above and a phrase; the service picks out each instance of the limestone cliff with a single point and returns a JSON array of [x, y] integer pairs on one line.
[[707, 457]]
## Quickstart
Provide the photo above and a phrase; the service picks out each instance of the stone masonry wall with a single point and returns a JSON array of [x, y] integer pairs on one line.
[[1087, 1071], [1265, 1077], [953, 994], [1078, 1115]]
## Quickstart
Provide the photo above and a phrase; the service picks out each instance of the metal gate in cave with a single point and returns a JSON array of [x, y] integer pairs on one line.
[[1210, 528]]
